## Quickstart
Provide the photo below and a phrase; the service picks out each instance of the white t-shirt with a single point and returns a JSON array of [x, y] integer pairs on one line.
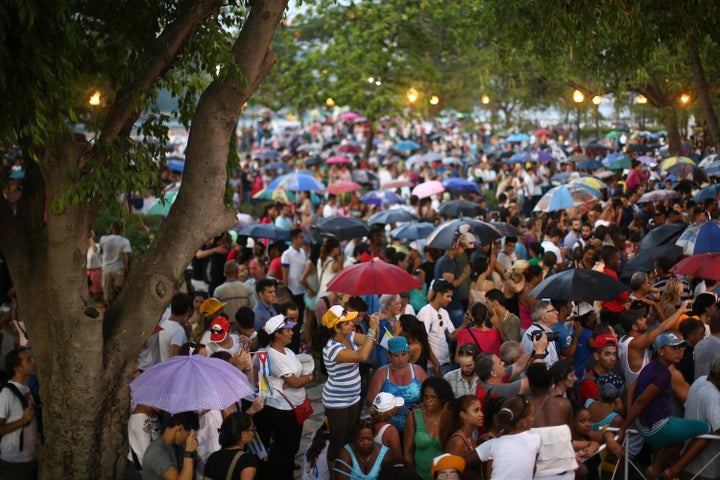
[[503, 451], [172, 333], [11, 409], [141, 431], [437, 324], [294, 261], [282, 365], [213, 347], [552, 354], [549, 246]]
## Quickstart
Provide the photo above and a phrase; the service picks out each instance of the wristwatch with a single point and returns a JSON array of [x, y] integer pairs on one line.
[[540, 356], [189, 454]]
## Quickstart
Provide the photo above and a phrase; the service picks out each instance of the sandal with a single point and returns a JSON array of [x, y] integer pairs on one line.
[[650, 474]]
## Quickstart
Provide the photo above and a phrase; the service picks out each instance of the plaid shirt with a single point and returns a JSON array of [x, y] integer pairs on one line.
[[459, 385]]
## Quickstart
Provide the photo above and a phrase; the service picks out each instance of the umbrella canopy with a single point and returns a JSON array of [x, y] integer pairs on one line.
[[639, 147], [343, 186], [542, 156], [442, 236], [349, 148], [613, 134], [620, 163], [365, 177], [518, 137], [567, 177], [190, 383], [277, 195], [700, 237], [709, 160], [381, 198], [342, 228], [454, 208], [349, 116], [372, 278], [578, 157], [579, 284], [460, 185], [686, 171], [589, 165], [427, 189], [507, 230], [406, 146], [393, 184], [393, 215], [591, 182], [431, 157], [662, 235], [644, 261], [658, 196], [312, 161], [566, 196], [265, 230], [279, 166], [267, 155], [704, 265], [163, 204], [672, 161], [297, 182], [708, 193], [649, 161], [713, 170], [337, 159], [309, 147], [176, 165], [411, 231]]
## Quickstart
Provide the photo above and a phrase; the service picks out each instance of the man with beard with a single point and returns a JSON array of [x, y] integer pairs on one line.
[[605, 357], [464, 380], [633, 347]]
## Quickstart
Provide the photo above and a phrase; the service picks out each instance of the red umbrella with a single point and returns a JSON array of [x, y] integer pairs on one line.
[[349, 148], [337, 159], [343, 186], [703, 265], [396, 184], [372, 278]]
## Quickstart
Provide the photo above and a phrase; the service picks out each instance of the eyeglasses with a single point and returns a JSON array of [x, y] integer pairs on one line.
[[448, 476], [554, 310]]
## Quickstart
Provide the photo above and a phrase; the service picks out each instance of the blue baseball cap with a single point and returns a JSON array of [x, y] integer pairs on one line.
[[665, 339], [398, 344]]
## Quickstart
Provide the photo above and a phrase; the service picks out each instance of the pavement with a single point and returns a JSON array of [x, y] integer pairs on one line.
[[312, 424]]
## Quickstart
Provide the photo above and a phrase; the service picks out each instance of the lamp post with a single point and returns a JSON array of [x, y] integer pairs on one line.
[[578, 98], [684, 100], [642, 101], [597, 99]]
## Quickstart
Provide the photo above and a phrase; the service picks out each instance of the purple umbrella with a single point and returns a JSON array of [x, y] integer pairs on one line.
[[190, 383], [381, 198]]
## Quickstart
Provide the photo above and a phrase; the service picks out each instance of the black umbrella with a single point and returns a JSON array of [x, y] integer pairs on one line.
[[342, 228], [311, 161], [442, 237], [394, 215], [579, 284], [507, 230], [331, 143], [662, 235], [454, 208], [365, 176], [413, 231], [640, 148], [644, 261], [265, 230]]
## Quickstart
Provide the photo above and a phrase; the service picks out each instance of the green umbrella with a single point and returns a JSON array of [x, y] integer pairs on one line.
[[162, 207], [620, 164], [613, 134]]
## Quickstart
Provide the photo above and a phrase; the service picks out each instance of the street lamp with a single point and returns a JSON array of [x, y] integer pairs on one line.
[[95, 99], [578, 98], [412, 95], [485, 99], [434, 100], [596, 100], [684, 100], [330, 102], [642, 101]]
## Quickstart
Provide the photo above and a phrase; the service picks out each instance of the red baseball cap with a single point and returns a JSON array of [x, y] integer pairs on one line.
[[605, 340], [219, 328]]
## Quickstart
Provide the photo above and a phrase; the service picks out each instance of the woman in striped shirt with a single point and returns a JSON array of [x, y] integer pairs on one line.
[[342, 353]]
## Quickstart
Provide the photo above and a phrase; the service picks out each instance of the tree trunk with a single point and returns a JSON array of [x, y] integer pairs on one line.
[[670, 119], [84, 358], [703, 92], [369, 141]]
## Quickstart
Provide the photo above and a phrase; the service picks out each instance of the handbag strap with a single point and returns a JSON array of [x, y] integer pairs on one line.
[[473, 337], [292, 407], [231, 470]]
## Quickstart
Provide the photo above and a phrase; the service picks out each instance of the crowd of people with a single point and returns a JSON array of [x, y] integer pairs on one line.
[[469, 375]]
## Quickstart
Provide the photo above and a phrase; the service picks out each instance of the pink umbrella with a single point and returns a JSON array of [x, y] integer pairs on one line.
[[337, 159], [370, 278], [428, 188], [349, 116], [343, 186]]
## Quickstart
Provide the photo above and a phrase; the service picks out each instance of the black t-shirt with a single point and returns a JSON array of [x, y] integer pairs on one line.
[[218, 463]]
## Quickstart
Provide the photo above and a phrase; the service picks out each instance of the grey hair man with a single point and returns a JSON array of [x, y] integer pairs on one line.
[[544, 315]]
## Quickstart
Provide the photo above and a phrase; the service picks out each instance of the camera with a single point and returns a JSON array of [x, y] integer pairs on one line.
[[537, 335]]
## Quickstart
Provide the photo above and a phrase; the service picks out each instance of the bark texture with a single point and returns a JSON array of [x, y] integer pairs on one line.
[[85, 358]]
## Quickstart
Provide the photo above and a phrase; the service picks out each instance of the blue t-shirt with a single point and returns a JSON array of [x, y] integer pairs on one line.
[[582, 352]]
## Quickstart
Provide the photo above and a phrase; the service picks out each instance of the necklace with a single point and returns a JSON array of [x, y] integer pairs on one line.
[[364, 460]]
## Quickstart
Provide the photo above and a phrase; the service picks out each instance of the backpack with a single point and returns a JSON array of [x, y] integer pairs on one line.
[[24, 403]]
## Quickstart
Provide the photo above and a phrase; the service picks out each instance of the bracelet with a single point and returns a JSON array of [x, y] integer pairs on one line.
[[371, 335], [189, 454], [540, 356]]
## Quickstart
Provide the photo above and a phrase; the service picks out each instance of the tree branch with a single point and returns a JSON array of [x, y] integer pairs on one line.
[[159, 57]]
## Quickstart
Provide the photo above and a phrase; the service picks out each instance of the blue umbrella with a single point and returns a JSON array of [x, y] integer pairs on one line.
[[713, 169], [297, 182], [277, 166], [460, 185], [519, 158], [701, 237], [566, 196], [589, 165], [381, 198], [407, 145], [266, 230], [267, 155], [176, 165], [542, 156], [565, 177], [710, 192], [518, 137], [413, 231]]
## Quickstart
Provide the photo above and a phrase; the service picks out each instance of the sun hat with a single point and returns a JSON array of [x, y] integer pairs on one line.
[[398, 344], [384, 402], [211, 306], [219, 328], [337, 314], [668, 339], [276, 323], [447, 460]]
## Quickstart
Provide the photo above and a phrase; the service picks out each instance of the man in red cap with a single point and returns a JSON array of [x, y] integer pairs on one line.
[[221, 340], [606, 358]]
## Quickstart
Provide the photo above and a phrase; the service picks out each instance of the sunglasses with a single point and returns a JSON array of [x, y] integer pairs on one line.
[[441, 320], [217, 329], [448, 476]]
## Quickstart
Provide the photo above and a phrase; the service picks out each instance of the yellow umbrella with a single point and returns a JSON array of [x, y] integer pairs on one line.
[[672, 161], [591, 182]]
